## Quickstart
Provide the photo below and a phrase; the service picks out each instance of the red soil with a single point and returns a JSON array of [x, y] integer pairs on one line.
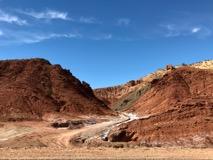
[[179, 110], [181, 86], [31, 88]]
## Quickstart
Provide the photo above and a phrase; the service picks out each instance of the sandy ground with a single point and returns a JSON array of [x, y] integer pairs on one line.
[[107, 153], [37, 140], [40, 134], [8, 133]]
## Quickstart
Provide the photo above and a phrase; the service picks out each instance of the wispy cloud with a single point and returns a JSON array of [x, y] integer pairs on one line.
[[170, 30], [47, 14], [101, 37], [123, 21], [50, 14], [88, 20], [176, 30], [21, 37], [36, 38], [108, 36], [8, 18], [13, 37]]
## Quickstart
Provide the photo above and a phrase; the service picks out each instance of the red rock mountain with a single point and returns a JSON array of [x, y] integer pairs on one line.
[[31, 88], [122, 97], [176, 110], [183, 85]]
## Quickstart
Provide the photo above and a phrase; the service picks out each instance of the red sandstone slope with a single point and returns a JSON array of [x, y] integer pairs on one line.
[[179, 86], [123, 96], [117, 96], [31, 88], [178, 110]]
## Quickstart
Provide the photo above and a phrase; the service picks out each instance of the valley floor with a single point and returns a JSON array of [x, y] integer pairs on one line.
[[108, 153], [38, 140]]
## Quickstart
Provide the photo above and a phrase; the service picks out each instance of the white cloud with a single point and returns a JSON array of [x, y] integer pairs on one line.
[[53, 14], [48, 14], [88, 20], [176, 30], [36, 38], [17, 37], [123, 21], [196, 29], [4, 17]]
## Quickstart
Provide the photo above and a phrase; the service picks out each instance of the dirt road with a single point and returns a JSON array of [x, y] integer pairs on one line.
[[100, 129], [29, 132]]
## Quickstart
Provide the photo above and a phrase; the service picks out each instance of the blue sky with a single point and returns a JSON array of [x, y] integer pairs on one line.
[[107, 42]]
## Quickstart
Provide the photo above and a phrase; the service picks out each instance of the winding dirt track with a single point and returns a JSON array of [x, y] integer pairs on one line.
[[87, 132], [29, 132]]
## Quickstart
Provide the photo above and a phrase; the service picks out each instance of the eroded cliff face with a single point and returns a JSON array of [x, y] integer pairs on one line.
[[178, 108], [112, 94], [123, 96], [119, 95], [29, 89]]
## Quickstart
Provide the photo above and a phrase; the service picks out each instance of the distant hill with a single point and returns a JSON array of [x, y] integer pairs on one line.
[[29, 89]]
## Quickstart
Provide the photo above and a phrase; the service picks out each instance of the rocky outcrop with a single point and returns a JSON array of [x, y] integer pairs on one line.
[[170, 67], [29, 89], [72, 124], [121, 135]]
